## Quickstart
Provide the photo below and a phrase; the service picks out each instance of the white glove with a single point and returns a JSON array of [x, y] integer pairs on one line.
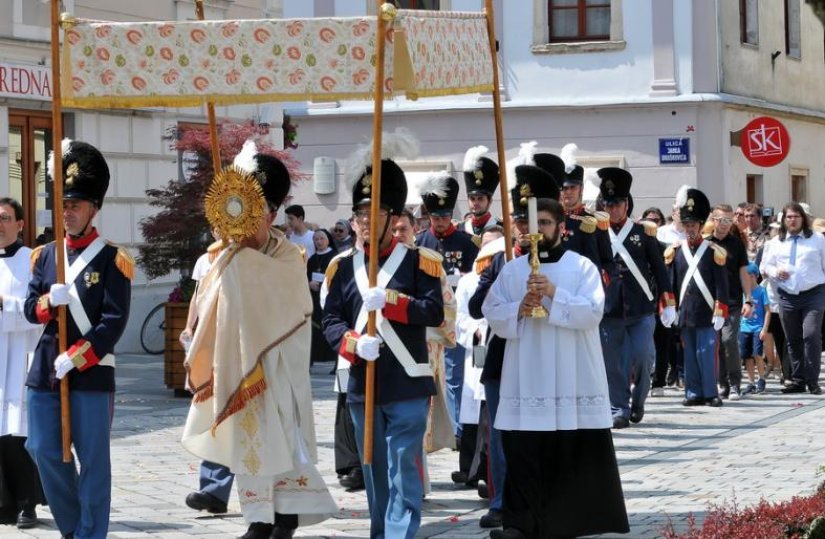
[[59, 294], [375, 299], [367, 347], [668, 316], [718, 322], [62, 365]]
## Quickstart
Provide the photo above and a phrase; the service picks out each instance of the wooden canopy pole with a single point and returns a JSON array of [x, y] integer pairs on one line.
[[210, 112], [375, 207], [502, 158], [57, 223]]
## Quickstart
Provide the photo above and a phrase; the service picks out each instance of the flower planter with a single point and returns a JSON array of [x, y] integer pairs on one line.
[[174, 373]]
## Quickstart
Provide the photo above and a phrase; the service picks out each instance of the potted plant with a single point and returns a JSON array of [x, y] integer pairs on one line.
[[178, 233]]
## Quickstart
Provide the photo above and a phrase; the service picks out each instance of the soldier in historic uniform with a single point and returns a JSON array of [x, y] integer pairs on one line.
[[96, 293], [630, 304], [481, 181], [531, 181], [584, 233], [439, 193], [699, 278], [406, 300]]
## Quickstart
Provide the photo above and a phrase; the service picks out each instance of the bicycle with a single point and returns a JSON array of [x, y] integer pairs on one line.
[[153, 331]]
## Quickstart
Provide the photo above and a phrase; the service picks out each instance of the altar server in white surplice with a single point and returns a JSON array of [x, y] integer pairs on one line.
[[562, 477], [21, 489]]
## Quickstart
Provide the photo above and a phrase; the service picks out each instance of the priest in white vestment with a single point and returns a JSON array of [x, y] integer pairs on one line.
[[249, 368], [562, 476], [20, 489]]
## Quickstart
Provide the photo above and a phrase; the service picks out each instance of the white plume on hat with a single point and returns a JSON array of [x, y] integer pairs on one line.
[[400, 144], [435, 183], [591, 189], [511, 169], [65, 147], [568, 155], [472, 156], [681, 195], [245, 160], [527, 152], [806, 208]]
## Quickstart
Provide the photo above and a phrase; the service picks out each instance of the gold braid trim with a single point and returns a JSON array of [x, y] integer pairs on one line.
[[588, 225], [429, 262], [35, 254], [125, 262], [253, 383], [482, 264]]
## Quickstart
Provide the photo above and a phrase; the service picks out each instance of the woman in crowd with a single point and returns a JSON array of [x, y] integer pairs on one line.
[[316, 266]]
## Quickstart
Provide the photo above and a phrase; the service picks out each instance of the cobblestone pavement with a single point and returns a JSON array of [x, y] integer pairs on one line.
[[677, 461]]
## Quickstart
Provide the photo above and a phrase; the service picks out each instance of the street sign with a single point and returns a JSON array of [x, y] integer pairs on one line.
[[765, 141], [674, 151]]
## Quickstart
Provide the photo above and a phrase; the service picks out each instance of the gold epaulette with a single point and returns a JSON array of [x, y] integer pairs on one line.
[[650, 228], [429, 262], [35, 254], [214, 250], [602, 220], [720, 255], [332, 268], [670, 253], [476, 240], [124, 261], [482, 264], [589, 224]]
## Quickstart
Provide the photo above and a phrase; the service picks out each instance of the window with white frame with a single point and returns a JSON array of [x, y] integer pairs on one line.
[[562, 26]]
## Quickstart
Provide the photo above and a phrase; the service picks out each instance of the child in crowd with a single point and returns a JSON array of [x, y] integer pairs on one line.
[[752, 331]]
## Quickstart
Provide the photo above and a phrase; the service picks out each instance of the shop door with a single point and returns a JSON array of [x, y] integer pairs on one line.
[[30, 141]]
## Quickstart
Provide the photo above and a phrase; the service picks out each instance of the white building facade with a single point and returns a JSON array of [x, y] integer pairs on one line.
[[135, 142], [623, 79]]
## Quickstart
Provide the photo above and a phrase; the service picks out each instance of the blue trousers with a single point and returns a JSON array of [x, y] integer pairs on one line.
[[495, 451], [216, 479], [394, 484], [80, 503], [454, 378], [699, 345], [628, 348]]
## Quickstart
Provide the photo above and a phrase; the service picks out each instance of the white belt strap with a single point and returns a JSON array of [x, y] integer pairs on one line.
[[385, 329], [693, 273], [617, 243], [81, 319]]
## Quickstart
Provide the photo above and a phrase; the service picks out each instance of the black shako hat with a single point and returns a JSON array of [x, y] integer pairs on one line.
[[693, 205], [481, 175], [393, 188], [615, 184], [439, 193], [531, 181], [268, 170], [85, 172]]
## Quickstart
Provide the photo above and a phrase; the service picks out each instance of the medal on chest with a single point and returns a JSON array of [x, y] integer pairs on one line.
[[91, 278]]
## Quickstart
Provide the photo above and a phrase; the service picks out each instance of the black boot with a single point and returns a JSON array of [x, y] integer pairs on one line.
[[258, 530]]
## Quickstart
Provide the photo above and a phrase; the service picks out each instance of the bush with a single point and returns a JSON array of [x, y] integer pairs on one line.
[[800, 517], [178, 234]]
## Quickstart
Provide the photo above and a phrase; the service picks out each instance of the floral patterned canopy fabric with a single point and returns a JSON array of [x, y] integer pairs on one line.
[[109, 64]]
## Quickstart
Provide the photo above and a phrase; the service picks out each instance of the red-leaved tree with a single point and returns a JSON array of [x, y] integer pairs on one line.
[[178, 233]]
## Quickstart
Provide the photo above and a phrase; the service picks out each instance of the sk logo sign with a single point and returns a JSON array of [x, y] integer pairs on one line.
[[765, 141]]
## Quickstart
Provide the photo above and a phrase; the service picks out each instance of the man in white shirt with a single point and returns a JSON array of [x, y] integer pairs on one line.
[[794, 261], [298, 233], [673, 232]]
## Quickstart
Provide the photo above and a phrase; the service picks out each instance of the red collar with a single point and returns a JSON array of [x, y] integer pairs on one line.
[[578, 210], [517, 250], [83, 242], [695, 243], [479, 222], [384, 253], [446, 234], [619, 225]]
